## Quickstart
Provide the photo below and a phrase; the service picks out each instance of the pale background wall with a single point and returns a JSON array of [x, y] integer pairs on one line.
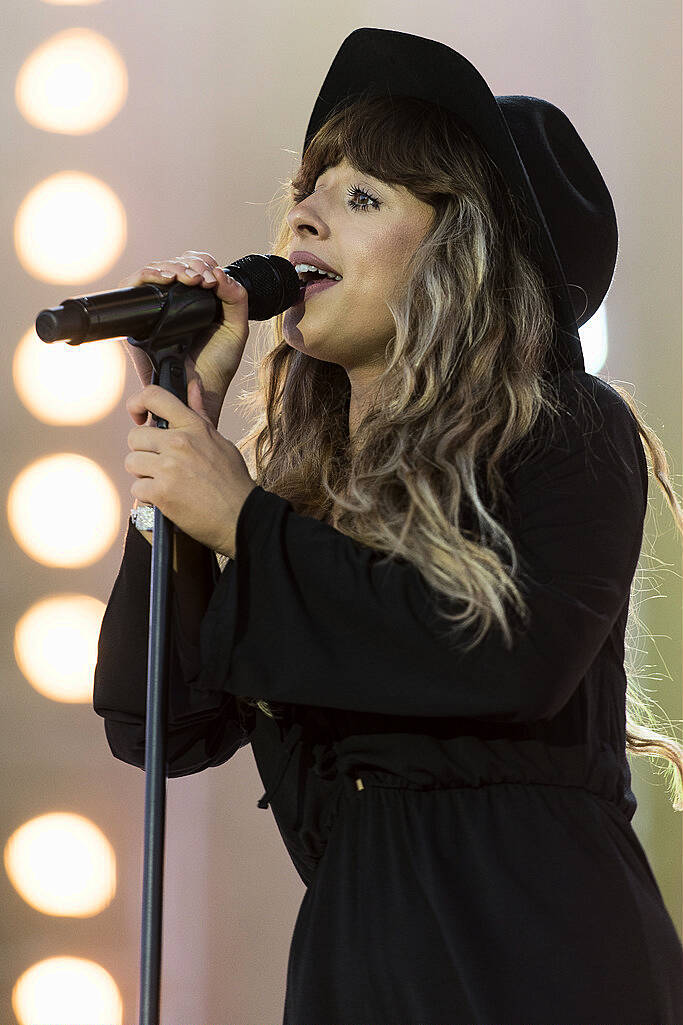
[[218, 93]]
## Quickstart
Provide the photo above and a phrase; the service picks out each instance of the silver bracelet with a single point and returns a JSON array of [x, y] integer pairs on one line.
[[143, 517]]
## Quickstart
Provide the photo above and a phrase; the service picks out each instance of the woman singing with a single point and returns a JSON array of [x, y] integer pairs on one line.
[[412, 601]]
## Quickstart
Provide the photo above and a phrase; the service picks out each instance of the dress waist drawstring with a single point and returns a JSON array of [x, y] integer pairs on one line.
[[294, 737], [324, 756]]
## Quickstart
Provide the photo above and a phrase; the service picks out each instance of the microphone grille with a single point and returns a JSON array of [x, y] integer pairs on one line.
[[272, 283]]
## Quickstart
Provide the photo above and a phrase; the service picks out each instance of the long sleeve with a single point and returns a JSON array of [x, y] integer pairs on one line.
[[307, 615], [203, 729]]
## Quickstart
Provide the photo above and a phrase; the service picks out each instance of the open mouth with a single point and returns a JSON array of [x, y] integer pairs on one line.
[[309, 288]]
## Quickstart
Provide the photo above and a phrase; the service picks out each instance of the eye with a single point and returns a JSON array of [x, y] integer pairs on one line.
[[357, 190], [300, 194]]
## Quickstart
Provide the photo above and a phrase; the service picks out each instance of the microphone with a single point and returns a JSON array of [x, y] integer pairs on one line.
[[271, 281]]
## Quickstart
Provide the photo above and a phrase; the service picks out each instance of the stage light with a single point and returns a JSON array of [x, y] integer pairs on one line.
[[69, 384], [62, 864], [71, 227], [66, 991], [63, 510], [73, 83], [55, 646]]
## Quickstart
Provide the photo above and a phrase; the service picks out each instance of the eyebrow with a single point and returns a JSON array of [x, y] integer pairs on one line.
[[386, 185]]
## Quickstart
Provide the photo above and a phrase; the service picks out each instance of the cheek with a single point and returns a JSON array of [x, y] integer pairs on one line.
[[384, 269], [365, 311], [374, 280]]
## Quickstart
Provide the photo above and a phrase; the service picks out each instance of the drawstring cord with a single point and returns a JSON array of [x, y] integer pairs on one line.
[[325, 763], [293, 738]]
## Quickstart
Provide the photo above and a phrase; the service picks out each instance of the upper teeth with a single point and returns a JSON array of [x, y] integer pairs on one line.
[[300, 268]]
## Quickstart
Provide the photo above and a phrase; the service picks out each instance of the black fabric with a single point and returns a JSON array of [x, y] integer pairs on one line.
[[462, 821]]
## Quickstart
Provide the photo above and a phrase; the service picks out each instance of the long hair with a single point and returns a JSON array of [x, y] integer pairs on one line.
[[463, 383]]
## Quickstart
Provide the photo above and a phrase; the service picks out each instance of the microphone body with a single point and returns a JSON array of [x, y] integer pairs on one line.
[[271, 282]]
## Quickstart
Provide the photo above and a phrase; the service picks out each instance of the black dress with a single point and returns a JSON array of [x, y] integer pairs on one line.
[[461, 820]]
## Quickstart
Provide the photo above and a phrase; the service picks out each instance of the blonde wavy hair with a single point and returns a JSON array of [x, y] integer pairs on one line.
[[463, 384]]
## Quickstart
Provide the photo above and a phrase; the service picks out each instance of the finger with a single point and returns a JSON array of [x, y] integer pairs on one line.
[[193, 270], [162, 403], [207, 258], [169, 270], [155, 270], [229, 289], [145, 490], [140, 418], [142, 464], [189, 272], [208, 273], [147, 439], [190, 268]]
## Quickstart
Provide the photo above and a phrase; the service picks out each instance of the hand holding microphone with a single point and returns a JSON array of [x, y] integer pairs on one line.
[[213, 360], [255, 287]]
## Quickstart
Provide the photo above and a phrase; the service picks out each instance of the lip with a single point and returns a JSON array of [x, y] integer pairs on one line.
[[301, 256], [315, 286]]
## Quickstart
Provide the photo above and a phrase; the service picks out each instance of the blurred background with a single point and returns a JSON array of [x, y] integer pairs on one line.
[[134, 132]]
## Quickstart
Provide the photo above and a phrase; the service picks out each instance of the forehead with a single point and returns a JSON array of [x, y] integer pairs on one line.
[[346, 168]]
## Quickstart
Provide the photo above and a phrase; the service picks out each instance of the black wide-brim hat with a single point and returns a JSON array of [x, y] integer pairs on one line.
[[533, 143]]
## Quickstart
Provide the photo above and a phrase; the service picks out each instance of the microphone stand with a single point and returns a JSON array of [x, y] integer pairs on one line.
[[166, 347], [177, 315]]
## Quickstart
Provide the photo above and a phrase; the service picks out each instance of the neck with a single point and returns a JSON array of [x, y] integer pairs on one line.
[[360, 401]]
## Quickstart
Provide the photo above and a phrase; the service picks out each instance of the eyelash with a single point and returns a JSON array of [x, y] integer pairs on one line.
[[357, 206], [299, 196]]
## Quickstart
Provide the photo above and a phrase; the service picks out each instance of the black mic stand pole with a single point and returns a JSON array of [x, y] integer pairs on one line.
[[166, 349]]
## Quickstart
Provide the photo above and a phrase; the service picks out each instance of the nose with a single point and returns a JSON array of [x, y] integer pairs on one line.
[[302, 217]]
